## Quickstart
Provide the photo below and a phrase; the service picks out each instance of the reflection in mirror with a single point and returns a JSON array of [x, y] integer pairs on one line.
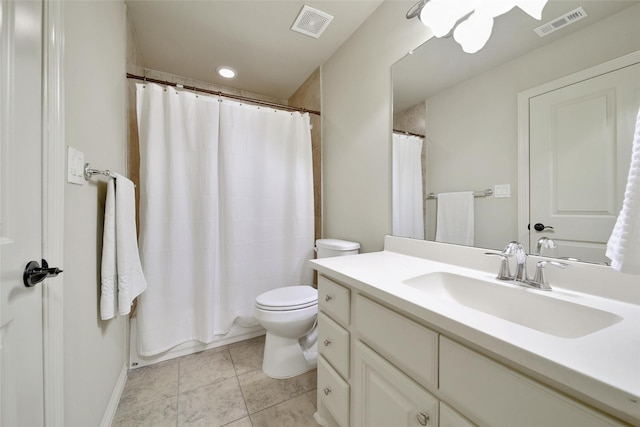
[[467, 108], [408, 193]]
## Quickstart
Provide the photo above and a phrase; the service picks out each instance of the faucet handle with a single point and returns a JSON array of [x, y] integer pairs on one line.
[[512, 248], [539, 279], [505, 271]]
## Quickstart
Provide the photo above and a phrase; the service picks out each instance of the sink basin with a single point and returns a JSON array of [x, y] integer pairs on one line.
[[526, 308]]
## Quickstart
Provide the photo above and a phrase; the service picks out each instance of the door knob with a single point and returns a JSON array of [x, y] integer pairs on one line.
[[539, 226], [34, 274], [423, 418]]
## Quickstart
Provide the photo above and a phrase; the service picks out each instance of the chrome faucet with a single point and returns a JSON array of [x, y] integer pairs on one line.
[[546, 243], [517, 250], [520, 277], [539, 281], [505, 271], [512, 249]]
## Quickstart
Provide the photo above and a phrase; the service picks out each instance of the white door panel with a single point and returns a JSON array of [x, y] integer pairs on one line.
[[580, 151], [21, 353]]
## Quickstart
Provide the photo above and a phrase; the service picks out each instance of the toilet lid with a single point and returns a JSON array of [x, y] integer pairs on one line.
[[288, 298]]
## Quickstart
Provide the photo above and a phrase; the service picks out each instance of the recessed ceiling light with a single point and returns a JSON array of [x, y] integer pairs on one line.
[[226, 72]]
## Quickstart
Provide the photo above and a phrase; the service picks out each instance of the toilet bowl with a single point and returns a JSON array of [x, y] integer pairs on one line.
[[289, 316]]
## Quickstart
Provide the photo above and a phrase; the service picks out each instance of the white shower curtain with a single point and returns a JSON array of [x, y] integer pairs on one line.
[[226, 212], [408, 204]]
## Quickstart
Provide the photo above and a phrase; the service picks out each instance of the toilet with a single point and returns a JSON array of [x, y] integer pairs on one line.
[[289, 316]]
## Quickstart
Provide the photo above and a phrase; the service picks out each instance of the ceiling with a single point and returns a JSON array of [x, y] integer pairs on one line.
[[441, 63], [193, 38]]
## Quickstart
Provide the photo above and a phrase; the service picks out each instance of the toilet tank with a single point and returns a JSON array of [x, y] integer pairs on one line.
[[326, 248]]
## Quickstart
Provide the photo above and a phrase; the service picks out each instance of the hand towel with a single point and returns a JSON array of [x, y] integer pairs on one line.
[[108, 272], [623, 247], [455, 218], [120, 256]]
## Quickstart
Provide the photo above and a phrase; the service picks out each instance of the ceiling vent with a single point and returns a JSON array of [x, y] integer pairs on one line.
[[311, 22], [561, 22]]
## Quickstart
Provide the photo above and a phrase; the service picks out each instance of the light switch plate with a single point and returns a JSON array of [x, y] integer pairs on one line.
[[75, 166], [502, 190]]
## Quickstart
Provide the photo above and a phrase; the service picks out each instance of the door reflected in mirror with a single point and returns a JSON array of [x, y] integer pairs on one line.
[[467, 106]]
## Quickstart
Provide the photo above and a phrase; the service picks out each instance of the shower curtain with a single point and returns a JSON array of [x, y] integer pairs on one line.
[[408, 206], [226, 212]]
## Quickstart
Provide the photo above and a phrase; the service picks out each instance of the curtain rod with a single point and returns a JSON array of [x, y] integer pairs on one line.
[[225, 95], [404, 132]]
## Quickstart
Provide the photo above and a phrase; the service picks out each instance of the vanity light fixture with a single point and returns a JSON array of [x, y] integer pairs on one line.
[[471, 21], [226, 72]]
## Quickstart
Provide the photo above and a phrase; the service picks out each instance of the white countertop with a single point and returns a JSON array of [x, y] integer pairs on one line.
[[601, 368]]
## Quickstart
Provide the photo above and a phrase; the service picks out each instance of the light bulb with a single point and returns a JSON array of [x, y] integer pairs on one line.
[[473, 33], [226, 72]]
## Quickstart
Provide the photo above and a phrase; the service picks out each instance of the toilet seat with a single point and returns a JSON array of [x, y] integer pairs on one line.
[[287, 298]]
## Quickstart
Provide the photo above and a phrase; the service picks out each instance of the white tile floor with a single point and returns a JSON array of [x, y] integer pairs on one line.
[[219, 387]]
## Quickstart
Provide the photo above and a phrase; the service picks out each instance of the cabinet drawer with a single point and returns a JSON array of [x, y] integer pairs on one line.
[[333, 392], [407, 344], [495, 395], [450, 418], [334, 300], [333, 344]]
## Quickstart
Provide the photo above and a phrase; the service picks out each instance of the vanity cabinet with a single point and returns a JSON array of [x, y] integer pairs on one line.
[[379, 368]]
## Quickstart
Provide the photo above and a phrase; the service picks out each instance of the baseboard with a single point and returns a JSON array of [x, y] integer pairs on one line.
[[112, 407]]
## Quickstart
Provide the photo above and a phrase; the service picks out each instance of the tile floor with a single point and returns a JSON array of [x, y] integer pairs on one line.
[[224, 386]]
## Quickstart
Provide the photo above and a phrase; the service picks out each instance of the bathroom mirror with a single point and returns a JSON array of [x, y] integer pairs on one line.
[[467, 108]]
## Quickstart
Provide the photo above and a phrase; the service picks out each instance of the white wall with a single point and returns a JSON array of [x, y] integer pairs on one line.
[[472, 128], [95, 124], [357, 125]]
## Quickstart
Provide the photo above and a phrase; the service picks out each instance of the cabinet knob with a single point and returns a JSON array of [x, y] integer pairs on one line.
[[327, 390], [328, 298], [326, 343], [423, 418]]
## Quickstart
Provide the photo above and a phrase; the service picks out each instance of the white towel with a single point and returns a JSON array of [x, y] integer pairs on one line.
[[623, 247], [455, 218], [109, 273], [121, 269]]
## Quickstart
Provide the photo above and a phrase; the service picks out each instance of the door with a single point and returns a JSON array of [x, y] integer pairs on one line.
[[385, 396], [580, 151], [21, 351]]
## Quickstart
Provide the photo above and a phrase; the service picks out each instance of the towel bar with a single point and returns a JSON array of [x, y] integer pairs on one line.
[[486, 193], [89, 172]]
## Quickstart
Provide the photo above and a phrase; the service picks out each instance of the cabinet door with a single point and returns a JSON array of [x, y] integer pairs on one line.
[[385, 396], [450, 418]]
